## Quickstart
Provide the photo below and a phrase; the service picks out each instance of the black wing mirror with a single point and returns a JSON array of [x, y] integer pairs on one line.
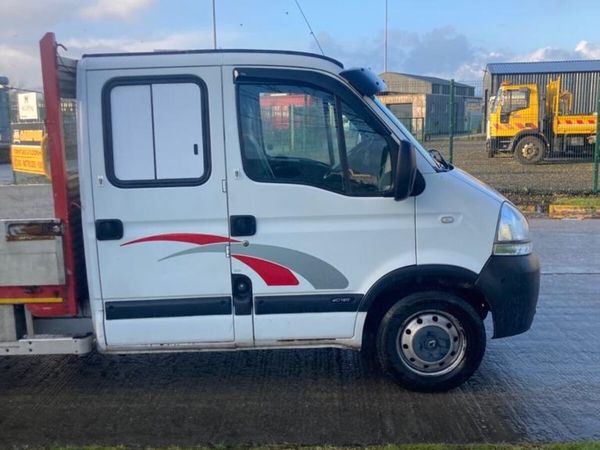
[[437, 156], [406, 171]]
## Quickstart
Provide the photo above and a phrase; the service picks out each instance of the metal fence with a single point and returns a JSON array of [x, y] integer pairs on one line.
[[475, 129], [523, 138]]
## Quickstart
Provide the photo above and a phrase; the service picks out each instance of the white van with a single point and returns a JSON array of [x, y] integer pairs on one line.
[[242, 199]]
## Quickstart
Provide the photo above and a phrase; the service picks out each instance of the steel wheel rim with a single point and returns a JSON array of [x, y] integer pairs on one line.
[[431, 343], [530, 151]]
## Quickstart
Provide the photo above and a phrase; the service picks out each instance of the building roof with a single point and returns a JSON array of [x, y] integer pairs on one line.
[[428, 79], [590, 65]]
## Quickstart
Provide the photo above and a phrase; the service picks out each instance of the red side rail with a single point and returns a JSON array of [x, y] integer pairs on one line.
[[58, 168]]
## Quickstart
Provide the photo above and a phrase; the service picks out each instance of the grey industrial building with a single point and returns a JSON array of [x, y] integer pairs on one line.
[[579, 77], [422, 104]]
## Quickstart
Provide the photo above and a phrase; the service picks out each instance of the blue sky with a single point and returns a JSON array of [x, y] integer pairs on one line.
[[444, 38]]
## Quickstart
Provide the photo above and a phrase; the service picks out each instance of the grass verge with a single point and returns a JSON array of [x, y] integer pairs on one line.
[[586, 202]]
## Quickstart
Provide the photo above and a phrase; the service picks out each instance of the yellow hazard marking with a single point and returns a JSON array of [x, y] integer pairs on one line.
[[24, 300]]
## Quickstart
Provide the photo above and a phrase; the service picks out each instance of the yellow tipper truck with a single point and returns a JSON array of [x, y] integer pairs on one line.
[[522, 123]]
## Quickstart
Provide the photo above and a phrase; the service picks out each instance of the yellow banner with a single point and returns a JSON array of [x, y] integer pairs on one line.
[[27, 136], [28, 159]]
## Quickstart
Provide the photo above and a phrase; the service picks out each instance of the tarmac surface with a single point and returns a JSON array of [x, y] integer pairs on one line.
[[543, 385]]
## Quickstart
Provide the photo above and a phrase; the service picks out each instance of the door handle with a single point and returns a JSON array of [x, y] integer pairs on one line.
[[242, 225], [109, 229]]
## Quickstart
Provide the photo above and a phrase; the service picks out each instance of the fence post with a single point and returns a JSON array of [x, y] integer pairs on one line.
[[451, 125], [597, 146]]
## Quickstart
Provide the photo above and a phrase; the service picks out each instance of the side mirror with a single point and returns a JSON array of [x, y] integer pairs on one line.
[[405, 172]]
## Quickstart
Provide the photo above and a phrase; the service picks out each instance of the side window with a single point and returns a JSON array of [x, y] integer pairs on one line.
[[156, 132], [514, 100], [303, 135], [367, 154], [289, 135]]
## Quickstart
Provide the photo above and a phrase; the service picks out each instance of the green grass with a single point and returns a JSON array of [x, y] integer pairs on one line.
[[563, 446], [587, 202]]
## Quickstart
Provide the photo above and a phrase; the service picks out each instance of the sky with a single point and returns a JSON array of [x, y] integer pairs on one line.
[[450, 39]]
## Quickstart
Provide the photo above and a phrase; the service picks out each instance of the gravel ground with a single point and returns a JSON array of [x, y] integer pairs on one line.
[[506, 174], [543, 385]]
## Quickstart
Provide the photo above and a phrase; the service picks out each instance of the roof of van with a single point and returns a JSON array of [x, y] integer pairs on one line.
[[220, 51]]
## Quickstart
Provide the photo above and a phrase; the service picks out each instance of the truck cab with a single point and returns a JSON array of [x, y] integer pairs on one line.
[[514, 113], [245, 199]]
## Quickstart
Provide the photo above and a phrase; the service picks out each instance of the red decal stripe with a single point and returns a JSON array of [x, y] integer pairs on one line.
[[580, 122], [591, 121], [272, 274], [190, 238], [520, 126]]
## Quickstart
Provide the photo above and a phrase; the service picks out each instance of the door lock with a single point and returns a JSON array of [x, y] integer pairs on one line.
[[242, 294]]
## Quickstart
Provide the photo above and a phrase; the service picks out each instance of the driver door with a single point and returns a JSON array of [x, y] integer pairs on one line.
[[309, 165]]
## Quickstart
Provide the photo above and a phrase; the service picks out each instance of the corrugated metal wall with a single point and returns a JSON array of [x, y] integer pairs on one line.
[[583, 85]]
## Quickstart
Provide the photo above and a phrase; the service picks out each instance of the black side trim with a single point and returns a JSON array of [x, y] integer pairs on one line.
[[511, 286], [416, 274], [107, 129], [179, 307], [298, 304]]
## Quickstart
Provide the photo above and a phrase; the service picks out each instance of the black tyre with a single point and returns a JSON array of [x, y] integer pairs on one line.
[[490, 149], [530, 150], [431, 341]]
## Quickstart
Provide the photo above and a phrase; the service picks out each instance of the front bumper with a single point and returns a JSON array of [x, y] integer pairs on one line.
[[511, 286]]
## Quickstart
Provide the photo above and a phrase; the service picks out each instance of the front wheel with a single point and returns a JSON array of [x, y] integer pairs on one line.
[[530, 150], [431, 341]]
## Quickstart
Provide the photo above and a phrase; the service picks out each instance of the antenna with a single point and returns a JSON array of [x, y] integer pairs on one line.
[[385, 39], [214, 14], [309, 27]]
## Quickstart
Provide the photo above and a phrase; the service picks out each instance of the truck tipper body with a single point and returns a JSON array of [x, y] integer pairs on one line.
[[534, 128], [243, 199]]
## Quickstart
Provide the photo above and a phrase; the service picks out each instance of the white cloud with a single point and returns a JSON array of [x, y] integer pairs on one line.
[[114, 9], [588, 50], [172, 41], [21, 67]]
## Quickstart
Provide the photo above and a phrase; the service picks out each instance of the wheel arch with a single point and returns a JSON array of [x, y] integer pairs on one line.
[[407, 280], [521, 134]]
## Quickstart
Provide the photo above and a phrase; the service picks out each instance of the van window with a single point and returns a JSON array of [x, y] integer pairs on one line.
[[304, 135], [155, 132], [367, 153]]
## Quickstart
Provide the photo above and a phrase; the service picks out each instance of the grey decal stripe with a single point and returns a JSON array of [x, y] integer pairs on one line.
[[209, 248], [317, 272]]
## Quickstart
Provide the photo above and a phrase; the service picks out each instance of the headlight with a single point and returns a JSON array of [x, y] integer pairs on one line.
[[512, 235]]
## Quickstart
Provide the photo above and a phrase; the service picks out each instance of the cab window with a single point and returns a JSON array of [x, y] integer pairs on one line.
[[514, 100], [305, 135]]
